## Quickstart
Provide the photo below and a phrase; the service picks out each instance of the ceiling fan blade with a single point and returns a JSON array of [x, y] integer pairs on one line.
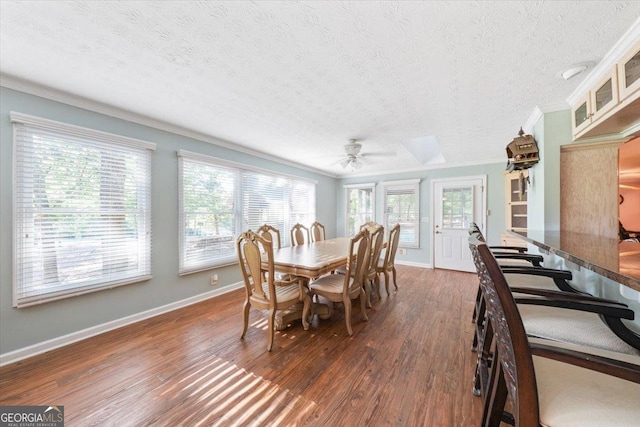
[[344, 163], [380, 154]]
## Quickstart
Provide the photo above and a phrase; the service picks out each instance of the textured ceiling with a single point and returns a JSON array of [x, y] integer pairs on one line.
[[296, 80]]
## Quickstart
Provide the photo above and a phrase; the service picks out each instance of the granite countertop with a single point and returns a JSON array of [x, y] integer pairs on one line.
[[611, 258]]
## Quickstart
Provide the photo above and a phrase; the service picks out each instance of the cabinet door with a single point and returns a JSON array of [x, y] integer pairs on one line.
[[581, 114], [605, 96], [629, 73], [516, 200]]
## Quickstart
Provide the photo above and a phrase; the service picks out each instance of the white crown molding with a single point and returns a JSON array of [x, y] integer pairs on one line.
[[52, 344], [535, 115], [610, 59], [427, 168], [22, 85]]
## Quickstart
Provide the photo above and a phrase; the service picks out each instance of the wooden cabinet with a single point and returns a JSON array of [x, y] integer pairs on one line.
[[516, 200], [612, 106], [629, 73], [596, 103]]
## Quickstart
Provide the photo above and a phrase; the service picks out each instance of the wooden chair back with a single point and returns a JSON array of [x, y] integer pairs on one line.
[[377, 240], [370, 226], [270, 232], [357, 264], [299, 235], [250, 247], [513, 376], [392, 247], [317, 231]]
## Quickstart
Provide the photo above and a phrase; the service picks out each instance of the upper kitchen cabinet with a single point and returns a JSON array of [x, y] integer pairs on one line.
[[629, 72], [611, 107]]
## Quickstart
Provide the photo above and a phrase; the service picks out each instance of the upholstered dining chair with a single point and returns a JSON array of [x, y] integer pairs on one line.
[[269, 232], [386, 264], [299, 235], [560, 317], [346, 287], [261, 289], [317, 232], [546, 385], [371, 278], [370, 225]]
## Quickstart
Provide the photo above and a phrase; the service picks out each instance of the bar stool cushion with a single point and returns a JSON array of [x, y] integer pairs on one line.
[[572, 326]]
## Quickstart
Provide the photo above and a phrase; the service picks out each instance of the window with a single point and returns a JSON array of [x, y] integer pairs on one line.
[[82, 210], [457, 207], [220, 199], [360, 206], [402, 205]]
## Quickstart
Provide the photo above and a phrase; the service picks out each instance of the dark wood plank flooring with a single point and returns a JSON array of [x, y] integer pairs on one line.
[[409, 365]]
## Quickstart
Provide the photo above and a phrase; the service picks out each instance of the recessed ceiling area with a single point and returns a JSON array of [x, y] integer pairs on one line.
[[297, 80]]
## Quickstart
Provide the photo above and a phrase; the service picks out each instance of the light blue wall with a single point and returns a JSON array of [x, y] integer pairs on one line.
[[550, 132], [23, 327], [422, 255]]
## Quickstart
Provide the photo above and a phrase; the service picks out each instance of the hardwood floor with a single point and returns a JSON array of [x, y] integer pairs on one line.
[[409, 365]]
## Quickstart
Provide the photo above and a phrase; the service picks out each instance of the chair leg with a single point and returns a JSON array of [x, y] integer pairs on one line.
[[245, 310], [386, 282], [271, 332], [347, 313], [363, 309], [376, 281], [393, 270], [367, 286], [494, 405]]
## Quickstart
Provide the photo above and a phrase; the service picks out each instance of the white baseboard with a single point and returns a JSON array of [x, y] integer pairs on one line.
[[33, 350], [413, 264]]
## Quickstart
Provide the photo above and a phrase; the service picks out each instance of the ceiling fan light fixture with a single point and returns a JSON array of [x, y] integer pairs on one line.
[[352, 148]]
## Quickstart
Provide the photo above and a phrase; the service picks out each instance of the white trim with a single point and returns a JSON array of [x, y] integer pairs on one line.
[[204, 158], [603, 68], [363, 185], [425, 168], [52, 344], [80, 131], [411, 182], [413, 264], [15, 83]]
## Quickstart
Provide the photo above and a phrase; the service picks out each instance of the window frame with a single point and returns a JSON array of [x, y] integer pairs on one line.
[[411, 186], [241, 222], [25, 129], [348, 213]]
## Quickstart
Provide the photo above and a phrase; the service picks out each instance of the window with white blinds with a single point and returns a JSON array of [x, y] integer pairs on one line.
[[82, 210], [220, 199], [360, 206], [402, 205]]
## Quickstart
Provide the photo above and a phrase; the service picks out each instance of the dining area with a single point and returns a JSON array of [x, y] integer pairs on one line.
[[314, 275]]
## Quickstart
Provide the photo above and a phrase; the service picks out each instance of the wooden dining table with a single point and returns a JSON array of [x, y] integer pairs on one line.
[[309, 261]]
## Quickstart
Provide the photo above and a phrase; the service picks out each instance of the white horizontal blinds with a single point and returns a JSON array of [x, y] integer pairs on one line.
[[82, 210], [219, 199], [265, 200], [207, 216], [279, 201], [303, 205], [402, 206], [360, 207]]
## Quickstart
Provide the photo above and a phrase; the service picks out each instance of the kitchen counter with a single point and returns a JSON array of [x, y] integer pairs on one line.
[[611, 258]]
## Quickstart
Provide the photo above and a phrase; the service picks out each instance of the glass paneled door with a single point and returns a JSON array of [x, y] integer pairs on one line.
[[457, 203]]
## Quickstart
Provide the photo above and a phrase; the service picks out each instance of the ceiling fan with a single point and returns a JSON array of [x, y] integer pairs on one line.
[[353, 156]]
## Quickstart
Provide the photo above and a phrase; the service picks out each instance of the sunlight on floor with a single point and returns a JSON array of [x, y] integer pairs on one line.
[[228, 395]]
